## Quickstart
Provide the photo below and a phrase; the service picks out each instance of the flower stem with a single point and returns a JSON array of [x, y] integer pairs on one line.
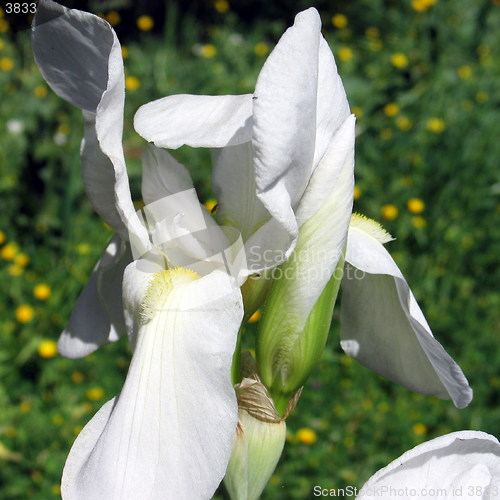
[[236, 365]]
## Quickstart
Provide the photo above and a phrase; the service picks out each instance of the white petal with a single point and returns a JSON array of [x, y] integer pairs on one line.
[[383, 328], [168, 435], [98, 315], [284, 117], [332, 106], [235, 189], [80, 57], [198, 121], [326, 174], [162, 175], [457, 465], [321, 242]]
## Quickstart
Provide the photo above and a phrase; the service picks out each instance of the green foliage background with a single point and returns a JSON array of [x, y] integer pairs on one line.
[[435, 64]]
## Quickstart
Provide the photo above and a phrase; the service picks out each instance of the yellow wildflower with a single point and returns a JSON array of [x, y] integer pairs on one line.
[[356, 110], [208, 51], [83, 248], [464, 72], [63, 129], [403, 123], [57, 419], [436, 125], [24, 313], [25, 406], [345, 54], [6, 64], [124, 52], [306, 436], [399, 60], [95, 393], [113, 18], [47, 349], [389, 211], [4, 26], [77, 377], [415, 205], [261, 49], [340, 21], [391, 109], [2, 237], [42, 291], [418, 222], [15, 270], [221, 6], [132, 83], [145, 23], [40, 91], [21, 259], [357, 192], [420, 429]]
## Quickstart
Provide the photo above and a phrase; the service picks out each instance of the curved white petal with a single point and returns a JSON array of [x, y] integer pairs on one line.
[[326, 175], [196, 120], [169, 433], [384, 329], [284, 115], [162, 175], [458, 465], [80, 57], [97, 317], [332, 107], [319, 248]]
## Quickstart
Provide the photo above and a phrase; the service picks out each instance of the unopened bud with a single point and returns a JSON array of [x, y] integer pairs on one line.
[[288, 349], [260, 437]]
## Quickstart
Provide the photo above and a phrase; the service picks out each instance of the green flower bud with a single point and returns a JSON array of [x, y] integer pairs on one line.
[[288, 349], [260, 437]]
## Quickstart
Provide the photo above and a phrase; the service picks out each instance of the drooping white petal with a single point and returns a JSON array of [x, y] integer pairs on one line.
[[284, 116], [169, 433], [98, 314], [383, 328], [80, 57], [162, 175], [332, 106], [196, 120], [457, 465]]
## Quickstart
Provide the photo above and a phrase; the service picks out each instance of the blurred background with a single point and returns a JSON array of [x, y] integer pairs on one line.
[[421, 77]]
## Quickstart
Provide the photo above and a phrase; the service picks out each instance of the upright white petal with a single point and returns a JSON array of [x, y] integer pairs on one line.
[[319, 248], [169, 433], [97, 317], [326, 175], [196, 120], [383, 328], [235, 189], [284, 115], [80, 58], [162, 175], [332, 108], [463, 464]]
